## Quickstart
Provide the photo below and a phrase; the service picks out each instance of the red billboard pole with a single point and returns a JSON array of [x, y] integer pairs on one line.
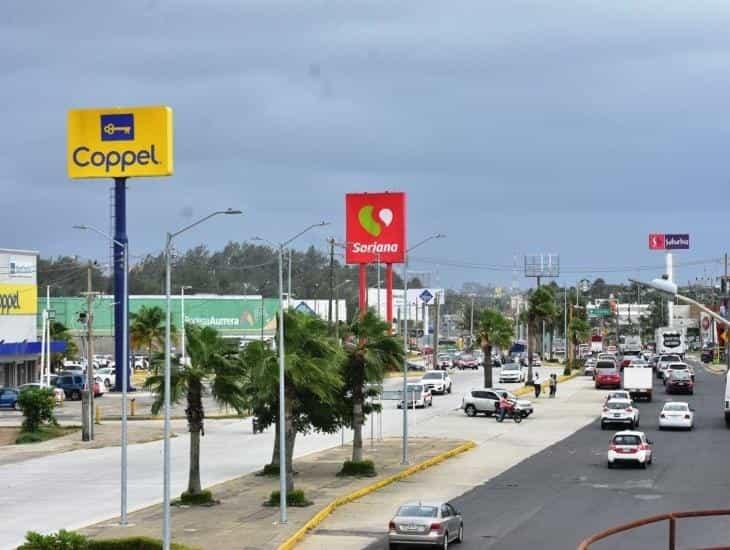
[[389, 296]]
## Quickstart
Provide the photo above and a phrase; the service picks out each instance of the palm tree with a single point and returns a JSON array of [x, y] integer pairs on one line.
[[211, 369], [60, 333], [541, 308], [578, 330], [313, 383], [370, 350], [494, 330], [147, 329]]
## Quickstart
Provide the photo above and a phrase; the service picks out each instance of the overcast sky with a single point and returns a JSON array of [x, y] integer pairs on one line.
[[515, 127]]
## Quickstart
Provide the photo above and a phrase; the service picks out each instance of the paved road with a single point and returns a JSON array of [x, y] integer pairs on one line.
[[559, 496], [89, 479], [566, 492]]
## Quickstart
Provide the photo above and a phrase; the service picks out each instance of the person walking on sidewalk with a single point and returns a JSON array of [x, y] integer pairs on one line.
[[553, 384], [536, 384]]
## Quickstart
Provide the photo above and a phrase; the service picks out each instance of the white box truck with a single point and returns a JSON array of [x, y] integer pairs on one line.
[[638, 381], [670, 340]]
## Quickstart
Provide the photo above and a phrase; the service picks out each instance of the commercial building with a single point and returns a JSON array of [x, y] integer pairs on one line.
[[19, 345], [240, 317]]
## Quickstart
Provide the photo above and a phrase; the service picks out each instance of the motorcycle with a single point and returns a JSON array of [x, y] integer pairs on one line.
[[509, 409]]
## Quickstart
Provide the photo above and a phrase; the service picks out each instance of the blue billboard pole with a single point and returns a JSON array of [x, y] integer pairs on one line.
[[120, 238]]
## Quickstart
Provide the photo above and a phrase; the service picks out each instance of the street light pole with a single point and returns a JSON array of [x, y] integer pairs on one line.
[[166, 440], [282, 370], [471, 323], [125, 367], [405, 342], [182, 320]]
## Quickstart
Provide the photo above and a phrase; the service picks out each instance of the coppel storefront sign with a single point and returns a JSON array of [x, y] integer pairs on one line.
[[18, 299], [119, 142]]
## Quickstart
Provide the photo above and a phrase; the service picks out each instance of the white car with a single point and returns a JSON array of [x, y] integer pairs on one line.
[[105, 376], [664, 361], [437, 381], [676, 414], [619, 411], [630, 446], [673, 367], [511, 372], [619, 394]]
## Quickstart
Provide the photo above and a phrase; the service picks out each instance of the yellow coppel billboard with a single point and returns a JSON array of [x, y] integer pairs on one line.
[[18, 299], [119, 142]]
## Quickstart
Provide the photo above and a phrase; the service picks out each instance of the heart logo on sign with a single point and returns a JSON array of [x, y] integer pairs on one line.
[[386, 216]]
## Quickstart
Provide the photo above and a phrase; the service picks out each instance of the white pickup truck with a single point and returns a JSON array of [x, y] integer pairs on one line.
[[638, 381]]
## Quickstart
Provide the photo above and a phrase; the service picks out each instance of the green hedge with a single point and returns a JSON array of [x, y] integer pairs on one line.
[[365, 468], [68, 540]]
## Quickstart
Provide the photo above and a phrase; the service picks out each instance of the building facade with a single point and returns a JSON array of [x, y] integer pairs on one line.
[[19, 345]]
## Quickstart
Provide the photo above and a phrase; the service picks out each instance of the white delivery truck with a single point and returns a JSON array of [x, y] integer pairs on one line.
[[670, 340], [638, 381]]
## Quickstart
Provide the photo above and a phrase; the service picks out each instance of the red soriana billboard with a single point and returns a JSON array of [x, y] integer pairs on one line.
[[376, 228], [656, 241]]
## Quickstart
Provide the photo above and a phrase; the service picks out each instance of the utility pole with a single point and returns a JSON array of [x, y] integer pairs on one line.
[[88, 413], [288, 286], [437, 306], [331, 242]]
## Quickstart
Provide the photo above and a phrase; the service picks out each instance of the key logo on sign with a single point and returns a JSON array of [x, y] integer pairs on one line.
[[117, 127]]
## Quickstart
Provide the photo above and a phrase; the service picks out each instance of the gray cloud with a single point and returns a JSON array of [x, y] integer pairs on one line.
[[515, 127]]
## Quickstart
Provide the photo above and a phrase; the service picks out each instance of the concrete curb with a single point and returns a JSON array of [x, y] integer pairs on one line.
[[715, 369], [562, 378], [320, 516]]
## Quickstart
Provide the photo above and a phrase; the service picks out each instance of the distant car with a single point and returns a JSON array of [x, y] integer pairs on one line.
[[418, 396], [707, 355], [607, 375], [679, 381], [511, 372], [58, 393], [425, 523], [589, 367], [445, 361], [640, 362], [677, 367], [74, 384], [105, 376], [486, 401], [664, 361], [437, 381], [676, 414], [619, 411], [618, 394], [9, 398], [467, 361], [630, 446]]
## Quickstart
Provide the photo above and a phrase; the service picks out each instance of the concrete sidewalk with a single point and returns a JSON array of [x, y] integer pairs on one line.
[[500, 446], [241, 520]]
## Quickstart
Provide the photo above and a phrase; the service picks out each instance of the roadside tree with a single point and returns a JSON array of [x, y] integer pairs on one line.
[[369, 350], [541, 308], [212, 369], [494, 330]]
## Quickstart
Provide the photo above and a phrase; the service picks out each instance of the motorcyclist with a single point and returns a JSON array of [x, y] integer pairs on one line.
[[504, 406]]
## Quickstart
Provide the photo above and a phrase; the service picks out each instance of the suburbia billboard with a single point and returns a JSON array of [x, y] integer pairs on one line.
[[375, 228]]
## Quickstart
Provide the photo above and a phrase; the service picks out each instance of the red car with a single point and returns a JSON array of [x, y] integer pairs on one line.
[[607, 375]]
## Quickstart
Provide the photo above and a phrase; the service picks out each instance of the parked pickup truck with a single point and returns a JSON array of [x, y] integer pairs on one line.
[[638, 381], [73, 384]]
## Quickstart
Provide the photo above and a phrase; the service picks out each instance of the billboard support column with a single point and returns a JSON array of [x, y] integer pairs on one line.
[[389, 296], [120, 241], [363, 289]]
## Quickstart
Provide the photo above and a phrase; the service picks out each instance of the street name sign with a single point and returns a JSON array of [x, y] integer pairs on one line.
[[119, 142]]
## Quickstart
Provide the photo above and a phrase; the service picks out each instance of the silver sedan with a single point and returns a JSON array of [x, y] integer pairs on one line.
[[425, 523]]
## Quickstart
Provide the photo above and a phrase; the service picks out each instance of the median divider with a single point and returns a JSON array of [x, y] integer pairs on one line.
[[320, 516], [524, 390]]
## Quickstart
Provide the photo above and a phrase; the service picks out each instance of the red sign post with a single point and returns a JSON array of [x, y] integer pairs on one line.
[[375, 232]]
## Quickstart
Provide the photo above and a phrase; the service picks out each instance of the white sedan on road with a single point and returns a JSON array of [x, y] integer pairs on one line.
[[619, 411], [676, 414], [511, 372]]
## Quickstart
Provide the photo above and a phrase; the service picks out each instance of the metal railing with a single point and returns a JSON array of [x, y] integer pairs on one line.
[[672, 518]]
